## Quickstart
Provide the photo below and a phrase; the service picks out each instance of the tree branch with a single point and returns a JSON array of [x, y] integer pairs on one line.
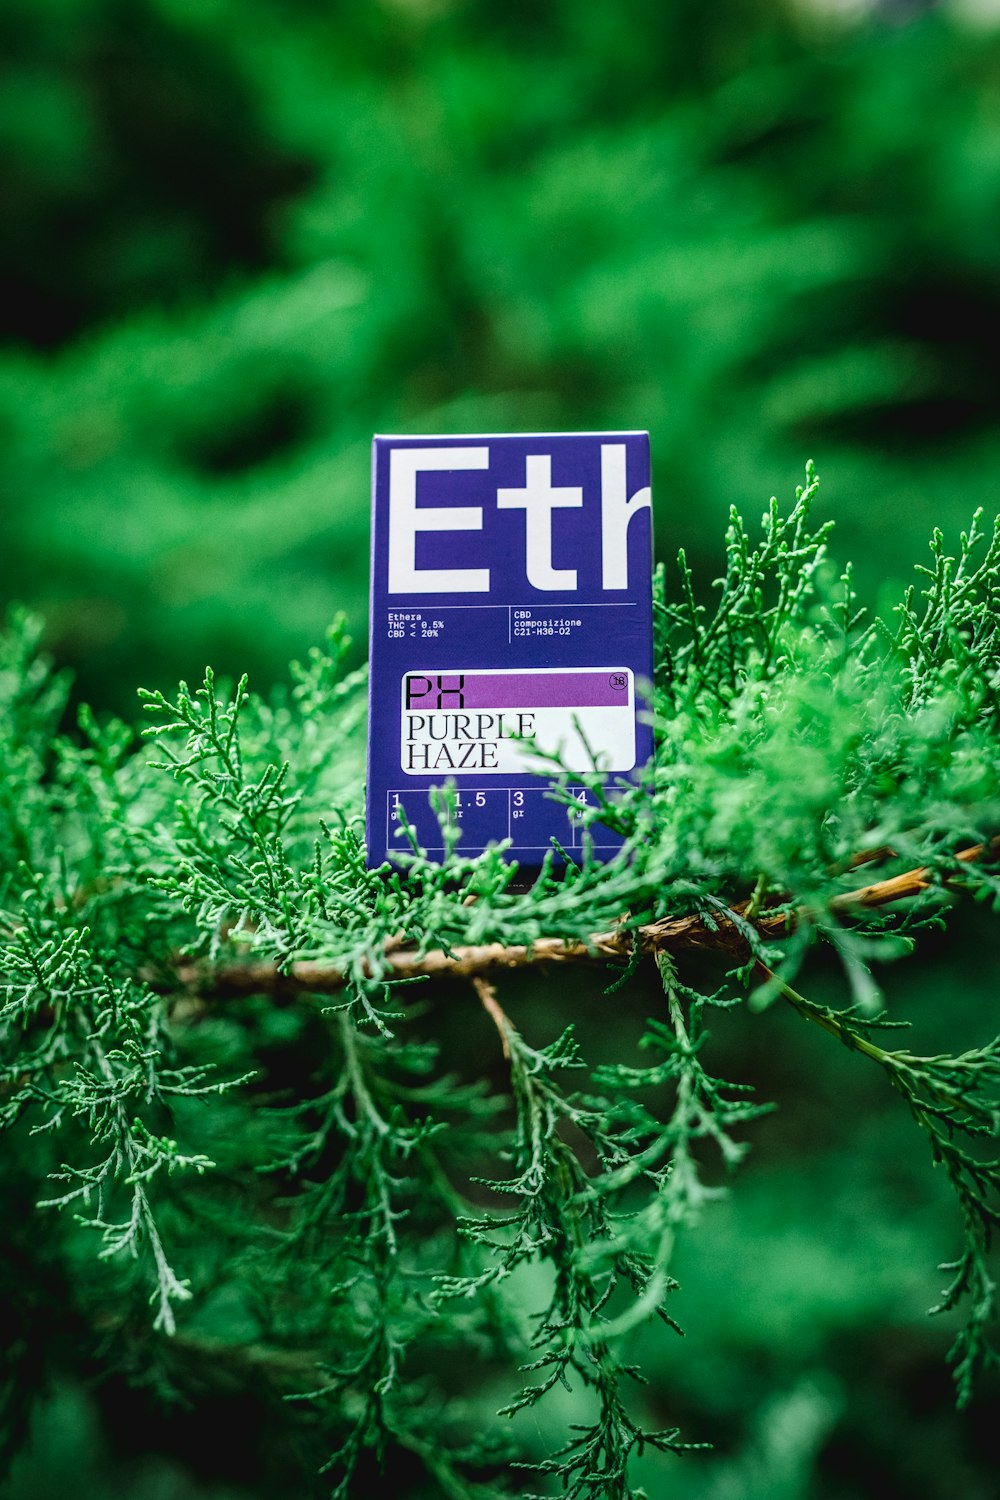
[[670, 934], [491, 1005]]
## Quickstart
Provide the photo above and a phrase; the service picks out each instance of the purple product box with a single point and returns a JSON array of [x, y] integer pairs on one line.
[[510, 598]]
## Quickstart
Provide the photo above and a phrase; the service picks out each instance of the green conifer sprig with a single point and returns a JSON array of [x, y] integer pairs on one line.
[[178, 931]]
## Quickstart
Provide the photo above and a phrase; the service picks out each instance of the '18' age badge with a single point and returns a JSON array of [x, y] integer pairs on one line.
[[511, 612]]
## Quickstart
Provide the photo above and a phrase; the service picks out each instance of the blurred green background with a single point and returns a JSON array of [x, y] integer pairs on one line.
[[239, 236]]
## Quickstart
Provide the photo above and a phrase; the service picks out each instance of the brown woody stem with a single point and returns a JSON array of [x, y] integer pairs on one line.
[[491, 1005], [669, 934]]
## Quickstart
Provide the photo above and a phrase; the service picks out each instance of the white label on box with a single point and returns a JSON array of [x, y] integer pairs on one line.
[[494, 721]]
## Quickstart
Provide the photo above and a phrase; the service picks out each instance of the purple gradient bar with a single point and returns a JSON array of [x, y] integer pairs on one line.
[[602, 688]]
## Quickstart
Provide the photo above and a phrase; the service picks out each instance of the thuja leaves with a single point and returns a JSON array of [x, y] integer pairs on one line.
[[226, 1054]]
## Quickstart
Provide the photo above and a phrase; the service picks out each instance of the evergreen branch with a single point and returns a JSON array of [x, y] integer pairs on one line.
[[945, 1096], [397, 1215], [914, 882], [562, 1213], [666, 935]]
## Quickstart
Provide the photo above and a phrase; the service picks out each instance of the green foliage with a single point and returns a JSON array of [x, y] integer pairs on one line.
[[224, 1062], [243, 235]]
